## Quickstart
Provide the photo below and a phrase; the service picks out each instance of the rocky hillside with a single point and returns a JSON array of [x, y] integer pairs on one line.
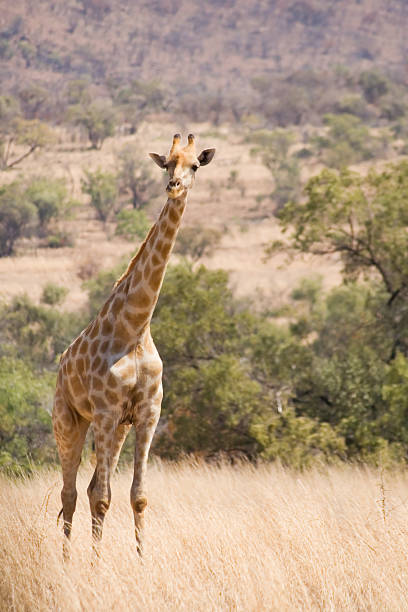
[[196, 46]]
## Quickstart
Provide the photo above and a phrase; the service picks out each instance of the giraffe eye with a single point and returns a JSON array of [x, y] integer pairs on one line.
[[194, 167]]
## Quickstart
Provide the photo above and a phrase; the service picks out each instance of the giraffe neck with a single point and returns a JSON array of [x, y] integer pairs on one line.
[[143, 280]]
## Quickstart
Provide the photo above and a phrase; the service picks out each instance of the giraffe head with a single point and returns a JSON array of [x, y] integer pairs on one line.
[[182, 163]]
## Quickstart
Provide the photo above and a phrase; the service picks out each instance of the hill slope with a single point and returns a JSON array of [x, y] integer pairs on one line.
[[193, 45]]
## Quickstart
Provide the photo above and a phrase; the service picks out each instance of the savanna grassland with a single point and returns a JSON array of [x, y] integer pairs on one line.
[[282, 322], [217, 538]]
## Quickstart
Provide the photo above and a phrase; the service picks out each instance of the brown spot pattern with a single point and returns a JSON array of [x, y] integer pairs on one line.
[[173, 215], [80, 366], [105, 346], [117, 305], [112, 397], [138, 396], [104, 368], [153, 390], [156, 279], [94, 330], [146, 271], [84, 346], [138, 319], [112, 381], [97, 383], [156, 260], [107, 328]]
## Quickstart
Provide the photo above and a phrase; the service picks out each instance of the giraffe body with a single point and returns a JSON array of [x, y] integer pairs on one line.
[[111, 374]]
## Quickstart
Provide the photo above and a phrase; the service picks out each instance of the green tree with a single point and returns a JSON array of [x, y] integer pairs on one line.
[[102, 188], [50, 198], [132, 224], [33, 99], [30, 133], [393, 423], [35, 333], [197, 241], [18, 216], [135, 177], [364, 219], [274, 150], [136, 100], [209, 395], [373, 84], [53, 294], [357, 335], [347, 141], [25, 422], [98, 119]]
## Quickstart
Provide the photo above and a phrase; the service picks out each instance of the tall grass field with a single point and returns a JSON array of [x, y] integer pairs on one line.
[[216, 538]]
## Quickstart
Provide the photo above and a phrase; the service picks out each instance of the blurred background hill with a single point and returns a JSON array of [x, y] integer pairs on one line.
[[229, 52]]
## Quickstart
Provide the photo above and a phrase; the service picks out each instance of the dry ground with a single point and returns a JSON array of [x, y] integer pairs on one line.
[[216, 539]]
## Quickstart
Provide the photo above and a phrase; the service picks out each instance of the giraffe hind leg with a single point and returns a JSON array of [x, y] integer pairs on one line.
[[70, 432], [99, 491]]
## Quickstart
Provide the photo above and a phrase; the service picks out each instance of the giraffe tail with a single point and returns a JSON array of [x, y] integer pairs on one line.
[[59, 515]]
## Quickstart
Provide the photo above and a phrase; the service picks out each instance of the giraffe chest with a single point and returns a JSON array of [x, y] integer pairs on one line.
[[120, 377]]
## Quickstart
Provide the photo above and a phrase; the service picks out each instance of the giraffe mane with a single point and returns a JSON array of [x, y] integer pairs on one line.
[[134, 259]]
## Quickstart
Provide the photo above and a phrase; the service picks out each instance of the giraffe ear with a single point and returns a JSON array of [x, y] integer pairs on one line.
[[160, 160], [206, 156]]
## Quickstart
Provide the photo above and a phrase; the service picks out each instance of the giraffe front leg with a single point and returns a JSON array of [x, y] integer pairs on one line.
[[99, 492], [145, 429]]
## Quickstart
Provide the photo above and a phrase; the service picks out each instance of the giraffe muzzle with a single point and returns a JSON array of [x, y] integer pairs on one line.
[[173, 184], [175, 188]]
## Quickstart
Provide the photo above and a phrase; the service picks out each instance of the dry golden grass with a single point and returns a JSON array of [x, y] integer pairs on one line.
[[216, 539]]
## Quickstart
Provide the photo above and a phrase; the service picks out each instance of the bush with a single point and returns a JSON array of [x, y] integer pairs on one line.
[[18, 216], [373, 84], [348, 141], [50, 198], [197, 241], [53, 294], [131, 224], [36, 333], [102, 188], [25, 423], [98, 119], [274, 150], [135, 178], [60, 239]]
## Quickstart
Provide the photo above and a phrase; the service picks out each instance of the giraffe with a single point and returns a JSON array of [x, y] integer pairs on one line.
[[111, 374]]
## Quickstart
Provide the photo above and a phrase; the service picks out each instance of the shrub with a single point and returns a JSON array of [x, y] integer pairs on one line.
[[98, 119], [197, 241], [135, 178], [53, 294], [18, 216], [50, 198], [25, 423], [131, 224], [102, 188], [348, 141]]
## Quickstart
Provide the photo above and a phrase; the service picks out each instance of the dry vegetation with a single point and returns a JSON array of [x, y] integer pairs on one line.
[[216, 539], [107, 38]]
